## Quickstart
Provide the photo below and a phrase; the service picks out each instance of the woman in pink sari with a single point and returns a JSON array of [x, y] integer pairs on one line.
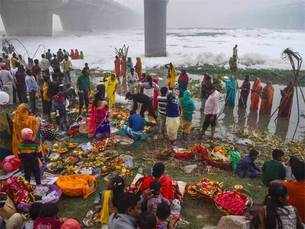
[[98, 122]]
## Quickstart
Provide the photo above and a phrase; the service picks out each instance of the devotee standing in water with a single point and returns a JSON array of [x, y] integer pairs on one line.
[[172, 122], [117, 67], [231, 87], [83, 86], [183, 82], [171, 77], [267, 99], [206, 86], [244, 93], [211, 111], [138, 67], [286, 101], [255, 94]]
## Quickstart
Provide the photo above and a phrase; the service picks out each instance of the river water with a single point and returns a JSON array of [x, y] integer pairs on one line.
[[230, 121]]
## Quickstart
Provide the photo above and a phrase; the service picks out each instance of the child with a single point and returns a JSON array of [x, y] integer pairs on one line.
[[188, 108], [163, 212], [59, 102], [48, 218], [35, 212], [156, 198], [100, 92], [111, 197], [274, 169], [28, 150], [162, 103], [135, 126], [247, 167]]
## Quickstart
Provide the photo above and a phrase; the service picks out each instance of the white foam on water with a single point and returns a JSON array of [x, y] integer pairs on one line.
[[258, 48]]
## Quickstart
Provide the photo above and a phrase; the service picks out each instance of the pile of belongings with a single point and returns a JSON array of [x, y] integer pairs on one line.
[[22, 194], [233, 201], [97, 158], [219, 156], [119, 117]]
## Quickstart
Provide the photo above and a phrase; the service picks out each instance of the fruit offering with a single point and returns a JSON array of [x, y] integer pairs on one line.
[[232, 202], [204, 188]]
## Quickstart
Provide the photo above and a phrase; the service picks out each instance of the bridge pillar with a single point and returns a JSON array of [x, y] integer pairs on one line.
[[27, 18], [155, 27]]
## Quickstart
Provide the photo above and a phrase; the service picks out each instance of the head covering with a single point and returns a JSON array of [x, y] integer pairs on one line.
[[4, 98], [27, 134], [71, 224]]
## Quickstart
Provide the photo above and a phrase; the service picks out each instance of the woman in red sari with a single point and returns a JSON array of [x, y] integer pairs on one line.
[[267, 99], [97, 122], [286, 101], [255, 94]]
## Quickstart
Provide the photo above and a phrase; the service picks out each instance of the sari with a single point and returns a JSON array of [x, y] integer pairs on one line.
[[231, 86], [98, 123], [110, 91], [5, 134], [255, 95], [244, 94], [286, 102], [138, 67], [23, 119], [183, 83], [171, 77], [267, 99], [117, 67]]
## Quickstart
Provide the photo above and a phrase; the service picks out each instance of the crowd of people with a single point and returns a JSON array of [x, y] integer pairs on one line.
[[170, 104]]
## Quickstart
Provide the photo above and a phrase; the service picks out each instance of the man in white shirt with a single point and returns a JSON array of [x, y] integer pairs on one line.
[[44, 63], [211, 111]]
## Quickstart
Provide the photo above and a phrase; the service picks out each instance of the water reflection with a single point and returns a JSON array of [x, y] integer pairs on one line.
[[264, 120], [282, 127], [242, 117], [228, 119]]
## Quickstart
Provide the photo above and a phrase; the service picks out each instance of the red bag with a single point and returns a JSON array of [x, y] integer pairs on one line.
[[11, 163]]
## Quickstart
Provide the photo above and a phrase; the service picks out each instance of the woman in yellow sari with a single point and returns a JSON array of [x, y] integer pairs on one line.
[[22, 118], [111, 87], [171, 77]]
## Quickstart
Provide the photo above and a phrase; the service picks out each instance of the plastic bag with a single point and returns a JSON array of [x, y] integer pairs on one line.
[[234, 157], [11, 163]]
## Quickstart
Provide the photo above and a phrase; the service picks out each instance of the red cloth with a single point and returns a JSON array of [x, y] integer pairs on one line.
[[96, 116], [167, 187], [255, 95], [286, 102], [146, 183], [117, 67], [47, 223]]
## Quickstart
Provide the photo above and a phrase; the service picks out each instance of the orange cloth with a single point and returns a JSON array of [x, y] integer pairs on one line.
[[286, 102], [77, 185], [255, 95], [138, 68], [117, 67], [22, 119], [267, 99], [296, 196]]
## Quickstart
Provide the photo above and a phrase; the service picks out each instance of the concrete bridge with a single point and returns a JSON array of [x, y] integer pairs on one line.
[[35, 17]]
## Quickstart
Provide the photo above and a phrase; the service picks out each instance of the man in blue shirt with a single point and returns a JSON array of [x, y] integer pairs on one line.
[[31, 88]]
